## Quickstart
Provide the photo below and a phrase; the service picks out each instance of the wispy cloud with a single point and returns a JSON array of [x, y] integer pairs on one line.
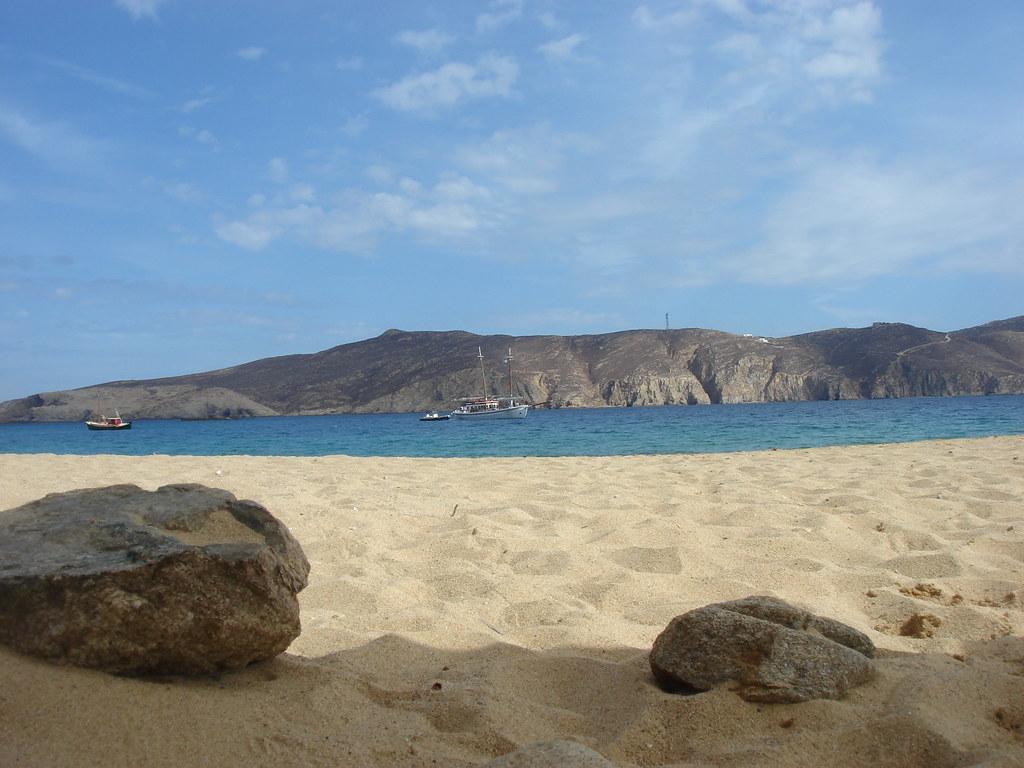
[[499, 13], [58, 144], [140, 9], [183, 192], [349, 64], [252, 53], [645, 18], [112, 84], [563, 49], [277, 170], [549, 20], [426, 41], [200, 135], [567, 320], [849, 219], [524, 162], [490, 76]]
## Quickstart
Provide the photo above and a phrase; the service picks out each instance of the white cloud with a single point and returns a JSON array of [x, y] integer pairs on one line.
[[277, 170], [804, 52], [254, 234], [252, 53], [453, 210], [444, 220], [500, 13], [193, 104], [560, 50], [427, 41], [491, 76], [453, 186], [853, 48], [140, 8]]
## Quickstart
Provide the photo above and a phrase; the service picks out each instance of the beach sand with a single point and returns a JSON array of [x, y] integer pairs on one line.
[[460, 608]]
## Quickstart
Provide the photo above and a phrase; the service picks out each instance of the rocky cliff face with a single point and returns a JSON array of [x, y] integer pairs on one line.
[[410, 371]]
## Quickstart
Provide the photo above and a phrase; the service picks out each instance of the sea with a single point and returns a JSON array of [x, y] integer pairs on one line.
[[555, 432]]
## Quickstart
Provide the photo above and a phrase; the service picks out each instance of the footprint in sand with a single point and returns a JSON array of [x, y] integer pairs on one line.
[[925, 566], [539, 563], [649, 559]]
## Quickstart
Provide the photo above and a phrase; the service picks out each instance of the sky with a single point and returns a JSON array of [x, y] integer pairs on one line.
[[187, 185]]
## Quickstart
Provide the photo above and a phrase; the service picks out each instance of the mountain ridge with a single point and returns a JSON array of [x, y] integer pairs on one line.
[[430, 370]]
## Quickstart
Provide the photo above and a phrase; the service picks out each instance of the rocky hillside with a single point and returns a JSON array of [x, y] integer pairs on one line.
[[415, 371]]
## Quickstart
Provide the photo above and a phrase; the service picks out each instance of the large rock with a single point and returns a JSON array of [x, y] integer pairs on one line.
[[183, 580], [551, 754], [774, 651]]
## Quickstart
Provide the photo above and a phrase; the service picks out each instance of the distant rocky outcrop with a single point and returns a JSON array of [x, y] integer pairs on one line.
[[416, 371], [183, 580], [771, 650]]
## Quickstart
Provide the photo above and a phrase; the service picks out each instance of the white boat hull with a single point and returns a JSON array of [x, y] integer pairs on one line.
[[515, 412]]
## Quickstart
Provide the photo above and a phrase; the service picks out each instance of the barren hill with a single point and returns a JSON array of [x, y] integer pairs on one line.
[[413, 371]]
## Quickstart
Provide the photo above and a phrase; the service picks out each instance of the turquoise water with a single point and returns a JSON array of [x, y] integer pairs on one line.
[[564, 432]]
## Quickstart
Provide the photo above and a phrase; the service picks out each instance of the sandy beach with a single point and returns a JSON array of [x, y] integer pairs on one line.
[[460, 608]]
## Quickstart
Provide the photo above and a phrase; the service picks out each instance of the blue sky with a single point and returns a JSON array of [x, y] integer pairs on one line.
[[188, 185]]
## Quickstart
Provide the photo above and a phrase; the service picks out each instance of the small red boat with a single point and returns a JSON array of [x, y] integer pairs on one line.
[[109, 422]]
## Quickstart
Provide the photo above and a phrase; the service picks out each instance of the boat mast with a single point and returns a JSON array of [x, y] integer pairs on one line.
[[508, 360], [483, 377]]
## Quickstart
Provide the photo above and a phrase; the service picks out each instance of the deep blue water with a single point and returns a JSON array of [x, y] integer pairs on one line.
[[564, 432]]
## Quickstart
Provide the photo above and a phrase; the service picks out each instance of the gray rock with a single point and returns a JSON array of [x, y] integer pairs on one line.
[[774, 651], [551, 754], [780, 612], [183, 580]]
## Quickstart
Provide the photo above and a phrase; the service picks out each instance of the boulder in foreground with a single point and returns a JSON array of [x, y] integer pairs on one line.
[[774, 651], [182, 580]]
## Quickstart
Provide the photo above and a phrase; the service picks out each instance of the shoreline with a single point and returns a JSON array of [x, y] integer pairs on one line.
[[560, 457], [531, 589]]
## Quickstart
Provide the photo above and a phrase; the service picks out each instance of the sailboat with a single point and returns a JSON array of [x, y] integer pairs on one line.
[[487, 407]]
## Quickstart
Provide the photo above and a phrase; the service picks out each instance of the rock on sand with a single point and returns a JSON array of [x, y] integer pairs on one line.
[[773, 650], [183, 580]]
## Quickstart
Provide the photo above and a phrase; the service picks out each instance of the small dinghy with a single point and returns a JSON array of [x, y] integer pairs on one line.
[[434, 417]]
